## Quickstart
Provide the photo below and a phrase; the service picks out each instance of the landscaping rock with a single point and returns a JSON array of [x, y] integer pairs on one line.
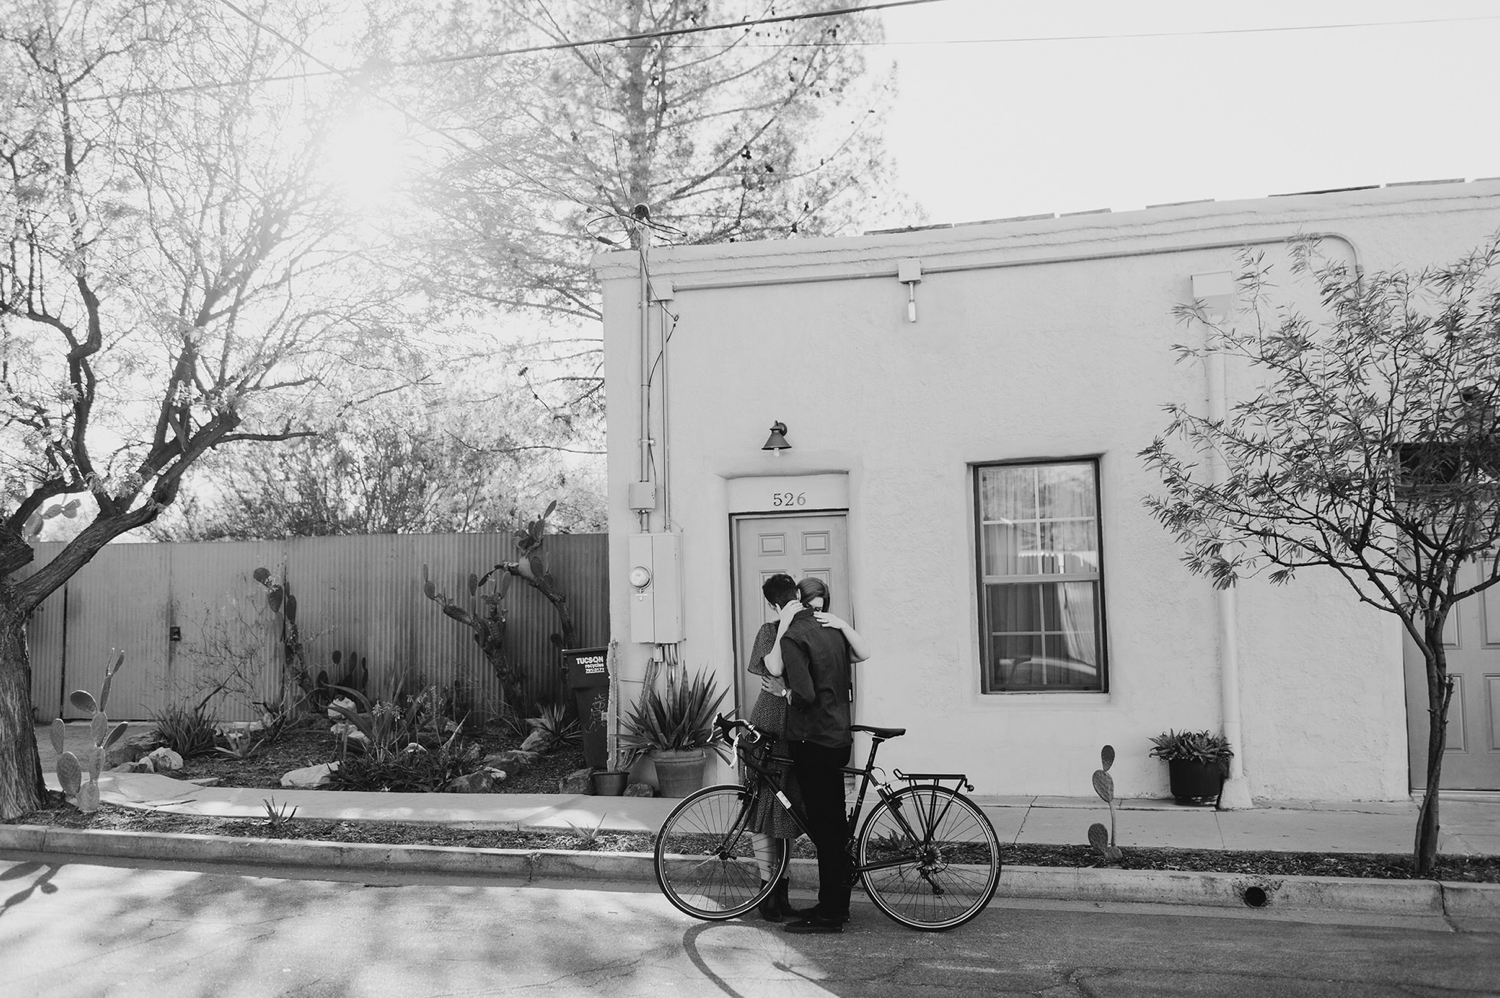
[[512, 761], [345, 729], [539, 741], [130, 749], [164, 760], [482, 782], [310, 776], [345, 702], [580, 781], [640, 790], [139, 766]]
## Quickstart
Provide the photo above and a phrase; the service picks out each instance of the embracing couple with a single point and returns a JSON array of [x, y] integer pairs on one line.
[[803, 659]]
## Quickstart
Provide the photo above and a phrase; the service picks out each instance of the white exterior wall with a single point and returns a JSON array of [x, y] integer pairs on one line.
[[1017, 358]]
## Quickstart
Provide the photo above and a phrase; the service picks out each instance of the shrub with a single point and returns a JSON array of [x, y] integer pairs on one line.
[[188, 731], [1196, 746]]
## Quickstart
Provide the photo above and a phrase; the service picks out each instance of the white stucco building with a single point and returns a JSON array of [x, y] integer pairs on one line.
[[969, 483]]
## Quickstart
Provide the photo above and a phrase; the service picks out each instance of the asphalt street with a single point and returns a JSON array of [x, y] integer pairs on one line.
[[108, 931]]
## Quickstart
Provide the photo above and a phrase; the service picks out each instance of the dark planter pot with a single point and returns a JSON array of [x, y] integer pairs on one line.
[[1196, 782], [607, 784], [679, 771]]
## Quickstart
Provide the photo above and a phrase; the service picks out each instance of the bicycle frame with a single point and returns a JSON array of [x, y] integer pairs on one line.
[[765, 778]]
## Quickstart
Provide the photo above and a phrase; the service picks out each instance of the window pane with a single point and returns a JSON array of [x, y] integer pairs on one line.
[[1011, 549], [1072, 546], [1043, 636], [1007, 493], [1066, 490]]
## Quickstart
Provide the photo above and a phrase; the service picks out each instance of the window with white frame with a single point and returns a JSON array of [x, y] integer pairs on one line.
[[1041, 598]]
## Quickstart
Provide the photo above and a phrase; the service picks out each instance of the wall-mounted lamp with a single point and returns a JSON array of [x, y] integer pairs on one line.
[[776, 442], [909, 271]]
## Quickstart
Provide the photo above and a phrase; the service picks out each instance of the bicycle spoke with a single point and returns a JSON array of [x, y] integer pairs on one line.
[[705, 859], [929, 858]]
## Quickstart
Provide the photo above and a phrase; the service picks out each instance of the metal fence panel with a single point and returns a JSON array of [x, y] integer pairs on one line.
[[359, 595], [118, 603], [44, 637]]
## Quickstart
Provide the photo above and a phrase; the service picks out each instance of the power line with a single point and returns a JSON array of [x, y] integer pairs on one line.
[[587, 43], [440, 60], [414, 118]]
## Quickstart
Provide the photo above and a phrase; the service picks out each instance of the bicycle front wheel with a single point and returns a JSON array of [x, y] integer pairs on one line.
[[705, 859], [929, 858]]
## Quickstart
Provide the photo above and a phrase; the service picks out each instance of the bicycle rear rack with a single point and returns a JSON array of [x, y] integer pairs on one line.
[[961, 779]]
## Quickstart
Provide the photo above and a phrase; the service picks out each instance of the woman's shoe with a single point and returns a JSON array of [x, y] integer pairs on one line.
[[769, 907], [783, 901]]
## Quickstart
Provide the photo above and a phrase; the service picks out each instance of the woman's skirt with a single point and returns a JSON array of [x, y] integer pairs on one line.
[[770, 818]]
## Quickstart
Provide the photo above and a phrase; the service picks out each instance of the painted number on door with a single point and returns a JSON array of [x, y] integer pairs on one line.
[[784, 499]]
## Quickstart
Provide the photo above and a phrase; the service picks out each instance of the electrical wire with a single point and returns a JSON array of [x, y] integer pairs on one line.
[[441, 60], [416, 119]]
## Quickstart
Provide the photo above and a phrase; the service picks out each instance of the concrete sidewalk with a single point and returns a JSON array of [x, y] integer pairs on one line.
[[1470, 822]]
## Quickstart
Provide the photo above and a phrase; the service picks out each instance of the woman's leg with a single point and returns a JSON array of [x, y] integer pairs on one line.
[[765, 853]]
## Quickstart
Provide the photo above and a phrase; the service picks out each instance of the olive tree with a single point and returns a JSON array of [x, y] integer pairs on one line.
[[175, 278], [1369, 446]]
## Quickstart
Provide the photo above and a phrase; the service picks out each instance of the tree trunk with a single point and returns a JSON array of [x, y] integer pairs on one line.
[[1439, 693], [22, 789]]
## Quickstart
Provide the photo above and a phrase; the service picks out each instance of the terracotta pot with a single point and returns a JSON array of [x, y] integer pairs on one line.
[[610, 784], [679, 771]]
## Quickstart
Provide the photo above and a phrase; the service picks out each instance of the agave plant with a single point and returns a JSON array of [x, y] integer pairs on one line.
[[1195, 746], [681, 717]]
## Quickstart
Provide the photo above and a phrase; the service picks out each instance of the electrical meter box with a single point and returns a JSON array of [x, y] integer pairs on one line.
[[655, 579]]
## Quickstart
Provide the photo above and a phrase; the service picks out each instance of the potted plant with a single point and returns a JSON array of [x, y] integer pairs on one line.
[[612, 780], [675, 727], [1197, 764]]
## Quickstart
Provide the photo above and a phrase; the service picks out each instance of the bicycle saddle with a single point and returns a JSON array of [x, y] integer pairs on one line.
[[878, 732]]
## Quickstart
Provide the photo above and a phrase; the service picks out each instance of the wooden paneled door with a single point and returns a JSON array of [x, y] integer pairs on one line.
[[1472, 638], [813, 544]]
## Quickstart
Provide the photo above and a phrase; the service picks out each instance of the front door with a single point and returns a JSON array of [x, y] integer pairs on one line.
[[813, 544], [1472, 638]]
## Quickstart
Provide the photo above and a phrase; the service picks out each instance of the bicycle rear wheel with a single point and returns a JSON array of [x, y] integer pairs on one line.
[[929, 857], [705, 860]]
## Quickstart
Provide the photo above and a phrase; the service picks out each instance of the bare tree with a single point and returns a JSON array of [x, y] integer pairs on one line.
[[1372, 448], [176, 279], [753, 132]]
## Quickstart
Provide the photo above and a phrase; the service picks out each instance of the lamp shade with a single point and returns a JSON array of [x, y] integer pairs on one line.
[[776, 442]]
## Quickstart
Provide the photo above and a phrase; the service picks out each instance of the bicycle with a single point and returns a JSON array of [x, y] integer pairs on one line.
[[926, 854]]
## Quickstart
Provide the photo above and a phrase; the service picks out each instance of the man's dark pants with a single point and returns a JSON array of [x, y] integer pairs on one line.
[[820, 774]]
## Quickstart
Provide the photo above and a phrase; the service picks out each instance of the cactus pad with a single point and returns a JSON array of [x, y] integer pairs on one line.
[[57, 730], [117, 733], [69, 773], [1098, 836], [1107, 756], [1104, 785], [88, 797], [83, 700], [99, 728]]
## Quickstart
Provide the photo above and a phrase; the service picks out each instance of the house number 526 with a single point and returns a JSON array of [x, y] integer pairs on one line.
[[788, 499]]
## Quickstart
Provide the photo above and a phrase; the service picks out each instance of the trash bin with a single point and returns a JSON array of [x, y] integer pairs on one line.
[[588, 674]]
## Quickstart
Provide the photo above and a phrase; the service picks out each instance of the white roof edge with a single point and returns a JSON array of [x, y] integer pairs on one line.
[[1251, 218]]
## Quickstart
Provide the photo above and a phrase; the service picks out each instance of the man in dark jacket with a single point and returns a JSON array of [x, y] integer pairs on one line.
[[816, 671]]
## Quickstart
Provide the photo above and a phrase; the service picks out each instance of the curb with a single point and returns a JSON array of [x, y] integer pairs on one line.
[[1215, 890]]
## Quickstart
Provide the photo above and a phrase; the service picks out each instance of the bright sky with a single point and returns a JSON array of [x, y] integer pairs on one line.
[[990, 129]]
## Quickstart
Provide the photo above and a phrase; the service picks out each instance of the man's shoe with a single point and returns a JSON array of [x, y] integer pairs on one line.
[[817, 922]]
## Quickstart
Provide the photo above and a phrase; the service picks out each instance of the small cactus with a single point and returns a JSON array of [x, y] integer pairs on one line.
[[69, 766], [1101, 838]]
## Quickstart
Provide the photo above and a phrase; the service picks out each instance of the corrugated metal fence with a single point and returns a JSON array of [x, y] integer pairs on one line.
[[360, 595]]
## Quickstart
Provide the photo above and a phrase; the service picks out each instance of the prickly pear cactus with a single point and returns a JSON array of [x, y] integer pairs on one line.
[[1101, 838], [70, 767]]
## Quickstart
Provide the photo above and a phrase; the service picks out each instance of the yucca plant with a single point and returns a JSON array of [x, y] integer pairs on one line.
[[680, 717]]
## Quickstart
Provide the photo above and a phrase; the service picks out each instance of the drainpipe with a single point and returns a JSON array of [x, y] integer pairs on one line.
[[1216, 292], [643, 235]]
